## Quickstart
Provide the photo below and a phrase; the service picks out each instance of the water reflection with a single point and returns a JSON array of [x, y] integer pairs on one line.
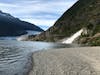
[[15, 55]]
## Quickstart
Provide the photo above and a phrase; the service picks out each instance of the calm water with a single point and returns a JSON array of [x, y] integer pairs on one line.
[[15, 56]]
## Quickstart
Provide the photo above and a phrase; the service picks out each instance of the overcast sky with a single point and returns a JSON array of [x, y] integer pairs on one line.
[[42, 13]]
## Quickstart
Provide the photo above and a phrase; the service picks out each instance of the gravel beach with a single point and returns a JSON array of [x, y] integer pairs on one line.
[[67, 61]]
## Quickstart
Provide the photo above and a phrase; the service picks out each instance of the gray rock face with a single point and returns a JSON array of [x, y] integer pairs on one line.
[[84, 13]]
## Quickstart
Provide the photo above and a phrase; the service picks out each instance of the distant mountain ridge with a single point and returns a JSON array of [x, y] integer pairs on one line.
[[83, 14], [11, 26]]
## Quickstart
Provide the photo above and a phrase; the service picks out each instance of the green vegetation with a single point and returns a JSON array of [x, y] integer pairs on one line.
[[95, 42], [83, 14]]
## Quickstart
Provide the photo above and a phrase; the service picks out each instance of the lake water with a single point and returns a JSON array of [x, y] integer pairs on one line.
[[15, 56]]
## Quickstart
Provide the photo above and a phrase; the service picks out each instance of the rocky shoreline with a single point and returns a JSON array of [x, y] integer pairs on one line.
[[67, 61]]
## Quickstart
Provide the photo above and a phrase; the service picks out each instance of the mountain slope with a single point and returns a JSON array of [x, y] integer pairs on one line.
[[11, 26], [84, 13]]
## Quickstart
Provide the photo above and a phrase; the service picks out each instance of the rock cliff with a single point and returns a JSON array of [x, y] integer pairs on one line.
[[84, 13]]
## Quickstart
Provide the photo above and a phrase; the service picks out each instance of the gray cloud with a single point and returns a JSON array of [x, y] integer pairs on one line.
[[39, 12]]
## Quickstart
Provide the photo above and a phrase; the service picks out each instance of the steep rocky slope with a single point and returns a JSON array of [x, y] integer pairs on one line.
[[84, 13], [11, 26]]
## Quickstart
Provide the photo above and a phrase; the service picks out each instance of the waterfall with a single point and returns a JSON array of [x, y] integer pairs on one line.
[[73, 37]]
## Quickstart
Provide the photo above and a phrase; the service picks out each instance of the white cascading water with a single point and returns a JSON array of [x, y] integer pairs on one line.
[[73, 37]]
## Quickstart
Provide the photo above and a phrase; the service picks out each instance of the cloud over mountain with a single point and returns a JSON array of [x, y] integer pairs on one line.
[[39, 12]]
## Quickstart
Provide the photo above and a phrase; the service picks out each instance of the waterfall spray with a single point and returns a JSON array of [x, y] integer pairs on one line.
[[73, 37]]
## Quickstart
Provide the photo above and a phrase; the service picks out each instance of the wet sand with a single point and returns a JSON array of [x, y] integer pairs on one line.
[[67, 61]]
